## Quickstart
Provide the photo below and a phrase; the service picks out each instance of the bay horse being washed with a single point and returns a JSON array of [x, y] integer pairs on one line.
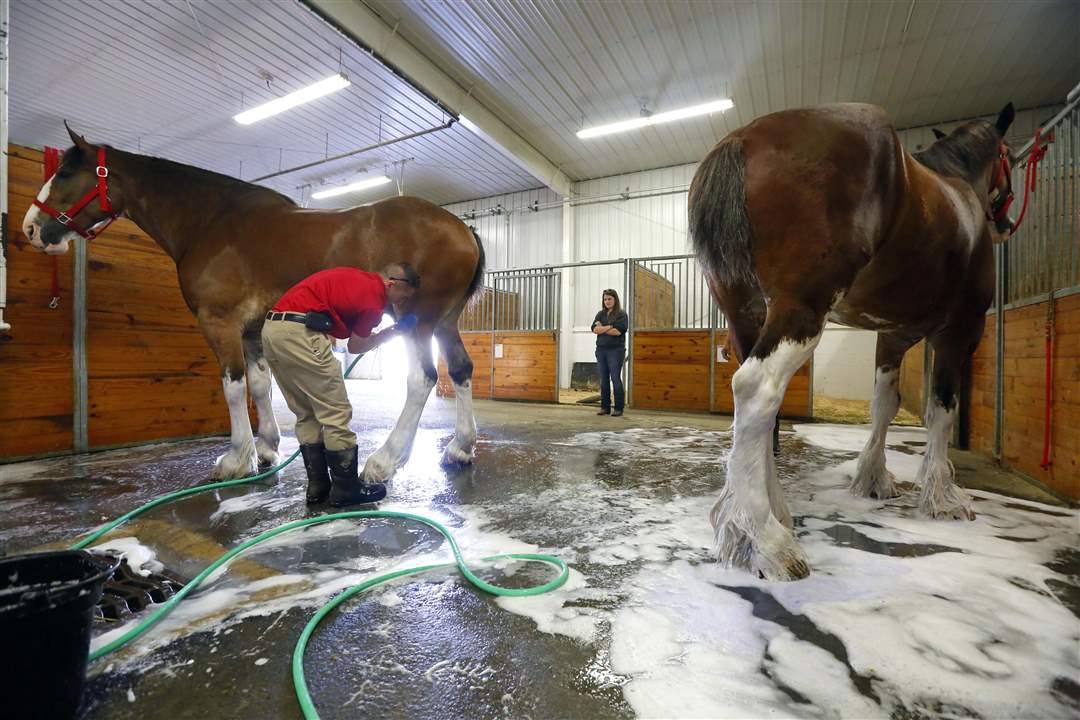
[[238, 247], [805, 216]]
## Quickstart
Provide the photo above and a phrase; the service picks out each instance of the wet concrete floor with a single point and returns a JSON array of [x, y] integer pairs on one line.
[[648, 624]]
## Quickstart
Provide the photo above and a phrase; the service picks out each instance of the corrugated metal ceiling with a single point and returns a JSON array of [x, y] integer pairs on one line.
[[550, 68], [165, 78]]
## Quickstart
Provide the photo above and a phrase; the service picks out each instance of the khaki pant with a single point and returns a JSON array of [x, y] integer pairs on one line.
[[310, 379]]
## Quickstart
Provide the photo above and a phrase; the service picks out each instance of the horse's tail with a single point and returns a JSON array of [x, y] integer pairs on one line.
[[478, 276], [718, 222]]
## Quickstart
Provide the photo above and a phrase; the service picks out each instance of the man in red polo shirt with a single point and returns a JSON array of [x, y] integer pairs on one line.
[[344, 303]]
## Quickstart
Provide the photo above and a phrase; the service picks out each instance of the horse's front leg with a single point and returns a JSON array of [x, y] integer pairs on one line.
[[224, 339], [382, 464], [258, 379]]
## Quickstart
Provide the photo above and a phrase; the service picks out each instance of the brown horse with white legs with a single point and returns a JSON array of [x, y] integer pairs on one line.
[[824, 216], [238, 247]]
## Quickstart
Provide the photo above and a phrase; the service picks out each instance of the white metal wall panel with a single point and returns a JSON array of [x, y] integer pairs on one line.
[[516, 237]]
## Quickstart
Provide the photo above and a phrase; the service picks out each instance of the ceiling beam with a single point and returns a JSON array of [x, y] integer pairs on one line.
[[361, 25]]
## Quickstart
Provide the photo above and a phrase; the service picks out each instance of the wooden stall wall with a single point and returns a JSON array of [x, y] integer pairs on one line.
[[151, 374], [36, 383], [478, 345], [526, 366], [982, 390], [654, 300], [671, 370], [911, 379], [796, 404], [1024, 390]]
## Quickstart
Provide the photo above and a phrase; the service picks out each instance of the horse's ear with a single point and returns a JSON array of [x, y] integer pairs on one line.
[[77, 140], [938, 135], [1005, 119]]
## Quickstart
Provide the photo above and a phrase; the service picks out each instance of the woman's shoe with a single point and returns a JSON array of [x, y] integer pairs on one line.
[[617, 413], [604, 412]]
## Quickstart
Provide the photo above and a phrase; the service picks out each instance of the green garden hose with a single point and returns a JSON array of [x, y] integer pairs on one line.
[[299, 684]]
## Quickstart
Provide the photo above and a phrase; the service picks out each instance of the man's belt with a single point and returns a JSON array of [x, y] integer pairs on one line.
[[291, 316]]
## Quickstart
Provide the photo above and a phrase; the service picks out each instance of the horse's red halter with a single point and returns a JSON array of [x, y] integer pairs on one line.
[[101, 192], [1003, 172]]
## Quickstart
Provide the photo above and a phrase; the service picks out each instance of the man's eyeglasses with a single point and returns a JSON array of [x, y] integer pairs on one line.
[[410, 283]]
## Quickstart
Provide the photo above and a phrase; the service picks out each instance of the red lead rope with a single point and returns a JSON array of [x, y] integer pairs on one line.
[[52, 162], [1037, 154]]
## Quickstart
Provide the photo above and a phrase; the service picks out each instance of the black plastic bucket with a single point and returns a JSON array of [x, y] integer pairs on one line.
[[46, 609]]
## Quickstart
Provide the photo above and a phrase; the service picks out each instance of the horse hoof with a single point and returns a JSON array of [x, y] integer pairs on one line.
[[229, 467], [778, 557], [455, 457]]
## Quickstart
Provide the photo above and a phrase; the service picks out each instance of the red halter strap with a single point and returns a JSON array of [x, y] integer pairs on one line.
[[101, 192], [1002, 173]]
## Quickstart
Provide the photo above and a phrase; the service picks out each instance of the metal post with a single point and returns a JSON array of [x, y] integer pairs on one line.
[[80, 414], [999, 347], [632, 295], [5, 14]]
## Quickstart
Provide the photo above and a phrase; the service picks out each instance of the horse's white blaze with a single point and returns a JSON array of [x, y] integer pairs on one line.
[[395, 451], [460, 449], [749, 519], [31, 226], [258, 379], [871, 477], [940, 497], [240, 460]]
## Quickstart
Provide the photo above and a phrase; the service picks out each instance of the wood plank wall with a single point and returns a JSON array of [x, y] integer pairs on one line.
[[151, 375], [671, 370], [1024, 393], [911, 379], [478, 345], [36, 383], [654, 300], [528, 368], [796, 404]]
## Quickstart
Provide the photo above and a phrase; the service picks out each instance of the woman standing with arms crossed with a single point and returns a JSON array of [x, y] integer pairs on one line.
[[610, 326]]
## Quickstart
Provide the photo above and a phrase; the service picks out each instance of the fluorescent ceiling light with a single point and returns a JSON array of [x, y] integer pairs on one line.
[[681, 114], [351, 187], [301, 96]]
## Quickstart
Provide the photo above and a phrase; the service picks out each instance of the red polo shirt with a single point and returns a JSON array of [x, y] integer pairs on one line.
[[353, 299]]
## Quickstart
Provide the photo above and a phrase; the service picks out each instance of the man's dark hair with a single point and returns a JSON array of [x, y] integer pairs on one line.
[[404, 272]]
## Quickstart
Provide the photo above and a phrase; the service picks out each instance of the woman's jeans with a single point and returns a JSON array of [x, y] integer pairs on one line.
[[609, 362]]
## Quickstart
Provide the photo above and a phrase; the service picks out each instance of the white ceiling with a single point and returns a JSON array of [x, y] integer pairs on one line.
[[165, 78], [551, 68]]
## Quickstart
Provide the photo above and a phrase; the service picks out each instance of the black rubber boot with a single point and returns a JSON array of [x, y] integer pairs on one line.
[[347, 487], [318, 475]]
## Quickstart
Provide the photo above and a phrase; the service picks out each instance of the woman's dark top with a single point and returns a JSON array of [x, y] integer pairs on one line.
[[618, 320]]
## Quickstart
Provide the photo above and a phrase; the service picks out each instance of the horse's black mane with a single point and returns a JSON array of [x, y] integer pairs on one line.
[[964, 153], [74, 156]]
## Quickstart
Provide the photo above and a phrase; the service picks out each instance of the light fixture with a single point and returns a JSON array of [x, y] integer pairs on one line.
[[301, 96], [681, 114], [351, 187]]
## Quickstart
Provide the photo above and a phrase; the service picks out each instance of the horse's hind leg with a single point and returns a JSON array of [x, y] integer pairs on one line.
[[380, 466], [258, 380], [941, 497], [460, 367], [871, 479], [744, 308], [224, 339], [748, 531]]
